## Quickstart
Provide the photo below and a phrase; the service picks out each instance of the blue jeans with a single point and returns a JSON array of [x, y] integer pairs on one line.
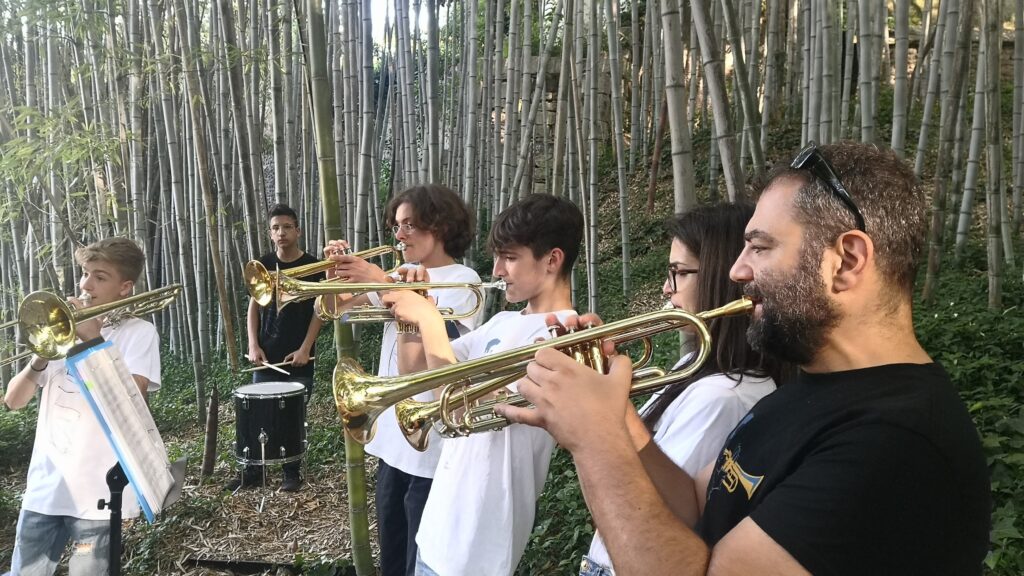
[[589, 567], [400, 498], [41, 540]]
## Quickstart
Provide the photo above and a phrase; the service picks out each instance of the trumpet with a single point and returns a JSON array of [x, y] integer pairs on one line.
[[291, 290], [360, 398], [49, 321], [262, 285]]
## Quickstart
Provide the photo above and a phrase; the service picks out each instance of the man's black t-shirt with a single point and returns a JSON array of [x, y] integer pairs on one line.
[[282, 332], [873, 471]]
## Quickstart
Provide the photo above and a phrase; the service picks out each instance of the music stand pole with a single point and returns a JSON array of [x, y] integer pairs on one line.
[[116, 481]]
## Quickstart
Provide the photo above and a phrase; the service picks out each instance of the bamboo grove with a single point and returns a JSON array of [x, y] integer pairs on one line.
[[177, 122]]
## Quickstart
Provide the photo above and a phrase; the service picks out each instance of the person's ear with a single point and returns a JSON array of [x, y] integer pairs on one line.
[[554, 260], [126, 287], [855, 253]]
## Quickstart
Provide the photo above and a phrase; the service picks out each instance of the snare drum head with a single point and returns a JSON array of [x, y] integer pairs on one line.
[[270, 389]]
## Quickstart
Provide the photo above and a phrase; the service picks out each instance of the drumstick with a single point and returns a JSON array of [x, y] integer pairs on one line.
[[272, 366], [275, 367]]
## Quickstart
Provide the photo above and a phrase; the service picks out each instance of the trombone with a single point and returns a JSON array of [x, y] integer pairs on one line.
[[360, 398], [262, 285], [49, 321]]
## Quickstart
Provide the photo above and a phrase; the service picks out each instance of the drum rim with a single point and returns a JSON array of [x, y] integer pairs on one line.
[[300, 389]]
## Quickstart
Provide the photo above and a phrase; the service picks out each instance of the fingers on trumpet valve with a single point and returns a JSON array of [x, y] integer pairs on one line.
[[336, 248], [592, 354], [413, 274]]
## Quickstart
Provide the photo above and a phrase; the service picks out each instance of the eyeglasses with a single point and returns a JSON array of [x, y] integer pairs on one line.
[[810, 159], [405, 228], [674, 273]]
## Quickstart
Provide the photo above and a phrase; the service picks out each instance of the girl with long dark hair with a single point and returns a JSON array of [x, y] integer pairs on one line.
[[690, 420]]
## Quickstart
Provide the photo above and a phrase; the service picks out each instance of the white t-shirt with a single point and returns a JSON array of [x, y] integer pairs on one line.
[[71, 455], [693, 429], [389, 444], [478, 517]]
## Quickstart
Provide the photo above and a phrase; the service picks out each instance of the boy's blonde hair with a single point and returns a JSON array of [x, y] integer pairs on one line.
[[123, 253]]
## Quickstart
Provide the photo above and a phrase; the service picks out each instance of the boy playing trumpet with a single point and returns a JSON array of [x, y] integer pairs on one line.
[[480, 512]]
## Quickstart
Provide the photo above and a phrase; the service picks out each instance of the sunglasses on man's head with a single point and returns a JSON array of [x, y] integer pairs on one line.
[[810, 159]]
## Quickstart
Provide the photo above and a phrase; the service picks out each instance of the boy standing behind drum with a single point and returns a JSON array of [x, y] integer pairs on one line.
[[70, 458], [287, 335]]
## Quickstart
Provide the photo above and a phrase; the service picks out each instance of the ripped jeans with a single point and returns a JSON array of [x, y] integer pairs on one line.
[[41, 540]]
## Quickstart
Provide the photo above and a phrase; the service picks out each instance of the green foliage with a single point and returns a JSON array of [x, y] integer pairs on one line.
[[563, 529], [17, 432], [981, 349]]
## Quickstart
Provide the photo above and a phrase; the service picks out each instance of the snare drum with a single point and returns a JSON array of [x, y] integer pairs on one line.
[[270, 423]]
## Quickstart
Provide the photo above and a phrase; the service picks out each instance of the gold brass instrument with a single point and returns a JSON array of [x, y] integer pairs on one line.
[[48, 321], [262, 285], [415, 417], [360, 398], [480, 417], [291, 290]]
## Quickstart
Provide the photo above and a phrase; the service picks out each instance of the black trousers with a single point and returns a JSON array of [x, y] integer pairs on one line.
[[400, 498]]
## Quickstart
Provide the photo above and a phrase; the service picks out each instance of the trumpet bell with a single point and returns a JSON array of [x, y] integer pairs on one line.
[[259, 282], [415, 420], [354, 399]]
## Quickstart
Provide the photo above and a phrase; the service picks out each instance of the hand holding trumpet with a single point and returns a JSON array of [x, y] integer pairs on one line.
[[349, 266], [411, 308], [572, 401]]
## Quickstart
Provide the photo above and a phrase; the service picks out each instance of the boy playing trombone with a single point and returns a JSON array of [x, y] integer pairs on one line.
[[70, 457]]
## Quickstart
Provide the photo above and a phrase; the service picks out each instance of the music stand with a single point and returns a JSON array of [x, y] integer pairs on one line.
[[105, 381]]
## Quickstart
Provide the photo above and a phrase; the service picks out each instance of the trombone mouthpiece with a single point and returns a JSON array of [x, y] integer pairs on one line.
[[400, 246], [85, 298]]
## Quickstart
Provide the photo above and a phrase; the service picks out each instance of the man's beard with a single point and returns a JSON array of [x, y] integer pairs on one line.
[[796, 313]]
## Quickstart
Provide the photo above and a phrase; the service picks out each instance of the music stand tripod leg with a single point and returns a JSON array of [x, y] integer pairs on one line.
[[116, 482]]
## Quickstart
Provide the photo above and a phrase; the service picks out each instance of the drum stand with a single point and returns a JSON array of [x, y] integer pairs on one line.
[[263, 438], [116, 482], [263, 454]]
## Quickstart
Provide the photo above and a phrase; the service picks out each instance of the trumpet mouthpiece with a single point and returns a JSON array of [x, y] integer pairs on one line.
[[400, 246]]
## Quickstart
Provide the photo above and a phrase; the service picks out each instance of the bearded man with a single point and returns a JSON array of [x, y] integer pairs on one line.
[[867, 463]]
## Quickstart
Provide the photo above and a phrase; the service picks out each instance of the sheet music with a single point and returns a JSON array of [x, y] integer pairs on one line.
[[115, 399]]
